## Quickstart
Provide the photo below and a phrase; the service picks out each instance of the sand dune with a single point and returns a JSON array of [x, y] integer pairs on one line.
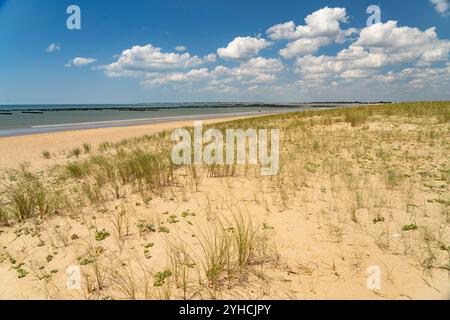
[[359, 190]]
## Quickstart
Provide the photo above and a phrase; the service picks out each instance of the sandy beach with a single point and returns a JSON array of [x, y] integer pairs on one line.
[[28, 148], [358, 210]]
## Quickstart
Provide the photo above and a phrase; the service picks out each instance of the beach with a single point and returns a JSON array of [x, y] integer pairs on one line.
[[28, 148], [358, 210]]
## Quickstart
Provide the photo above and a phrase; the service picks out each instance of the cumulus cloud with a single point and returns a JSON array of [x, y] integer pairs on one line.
[[322, 23], [384, 56], [260, 65], [140, 60], [354, 74], [243, 48], [252, 75], [53, 47], [304, 46], [190, 76], [416, 77], [80, 61], [255, 70], [442, 6], [405, 44], [321, 28], [378, 46]]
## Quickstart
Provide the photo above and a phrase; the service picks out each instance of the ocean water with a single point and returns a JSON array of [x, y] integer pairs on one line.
[[20, 120]]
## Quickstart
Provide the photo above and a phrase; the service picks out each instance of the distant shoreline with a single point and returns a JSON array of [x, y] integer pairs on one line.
[[155, 107]]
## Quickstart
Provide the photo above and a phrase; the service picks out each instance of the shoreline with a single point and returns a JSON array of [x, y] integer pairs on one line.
[[28, 148], [88, 125]]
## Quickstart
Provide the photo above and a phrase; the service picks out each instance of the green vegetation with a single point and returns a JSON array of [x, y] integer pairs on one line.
[[146, 227], [101, 235], [410, 227], [161, 277], [21, 273], [144, 163], [87, 148], [75, 152]]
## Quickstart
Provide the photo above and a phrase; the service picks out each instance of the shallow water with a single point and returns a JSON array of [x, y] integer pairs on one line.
[[15, 122]]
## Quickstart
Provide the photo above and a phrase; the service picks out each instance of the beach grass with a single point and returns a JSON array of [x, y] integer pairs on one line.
[[362, 182]]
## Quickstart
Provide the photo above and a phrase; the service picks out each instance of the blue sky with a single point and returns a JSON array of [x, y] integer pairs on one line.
[[126, 51]]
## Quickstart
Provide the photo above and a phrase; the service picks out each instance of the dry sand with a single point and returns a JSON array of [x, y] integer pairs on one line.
[[321, 253]]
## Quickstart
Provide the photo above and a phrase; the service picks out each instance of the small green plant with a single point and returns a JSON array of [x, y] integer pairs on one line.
[[147, 249], [392, 178], [21, 273], [173, 219], [3, 256], [147, 253], [244, 237], [76, 170], [87, 148], [378, 219], [163, 229], [49, 258], [75, 152], [265, 226], [101, 235], [84, 261], [442, 202], [147, 200], [46, 155], [410, 227], [29, 197], [145, 227], [149, 245], [74, 237], [4, 217], [160, 278], [186, 214]]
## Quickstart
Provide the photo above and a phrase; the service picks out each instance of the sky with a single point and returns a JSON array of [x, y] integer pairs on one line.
[[140, 51]]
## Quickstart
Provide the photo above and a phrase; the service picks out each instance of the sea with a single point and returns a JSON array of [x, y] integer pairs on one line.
[[30, 119]]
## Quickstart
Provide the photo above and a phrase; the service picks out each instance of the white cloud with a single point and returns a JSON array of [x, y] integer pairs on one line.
[[260, 65], [442, 6], [358, 58], [354, 74], [304, 46], [321, 29], [382, 61], [319, 65], [53, 47], [388, 35], [283, 31], [190, 76], [322, 23], [405, 44], [243, 48], [80, 61], [140, 60], [256, 70], [378, 46]]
